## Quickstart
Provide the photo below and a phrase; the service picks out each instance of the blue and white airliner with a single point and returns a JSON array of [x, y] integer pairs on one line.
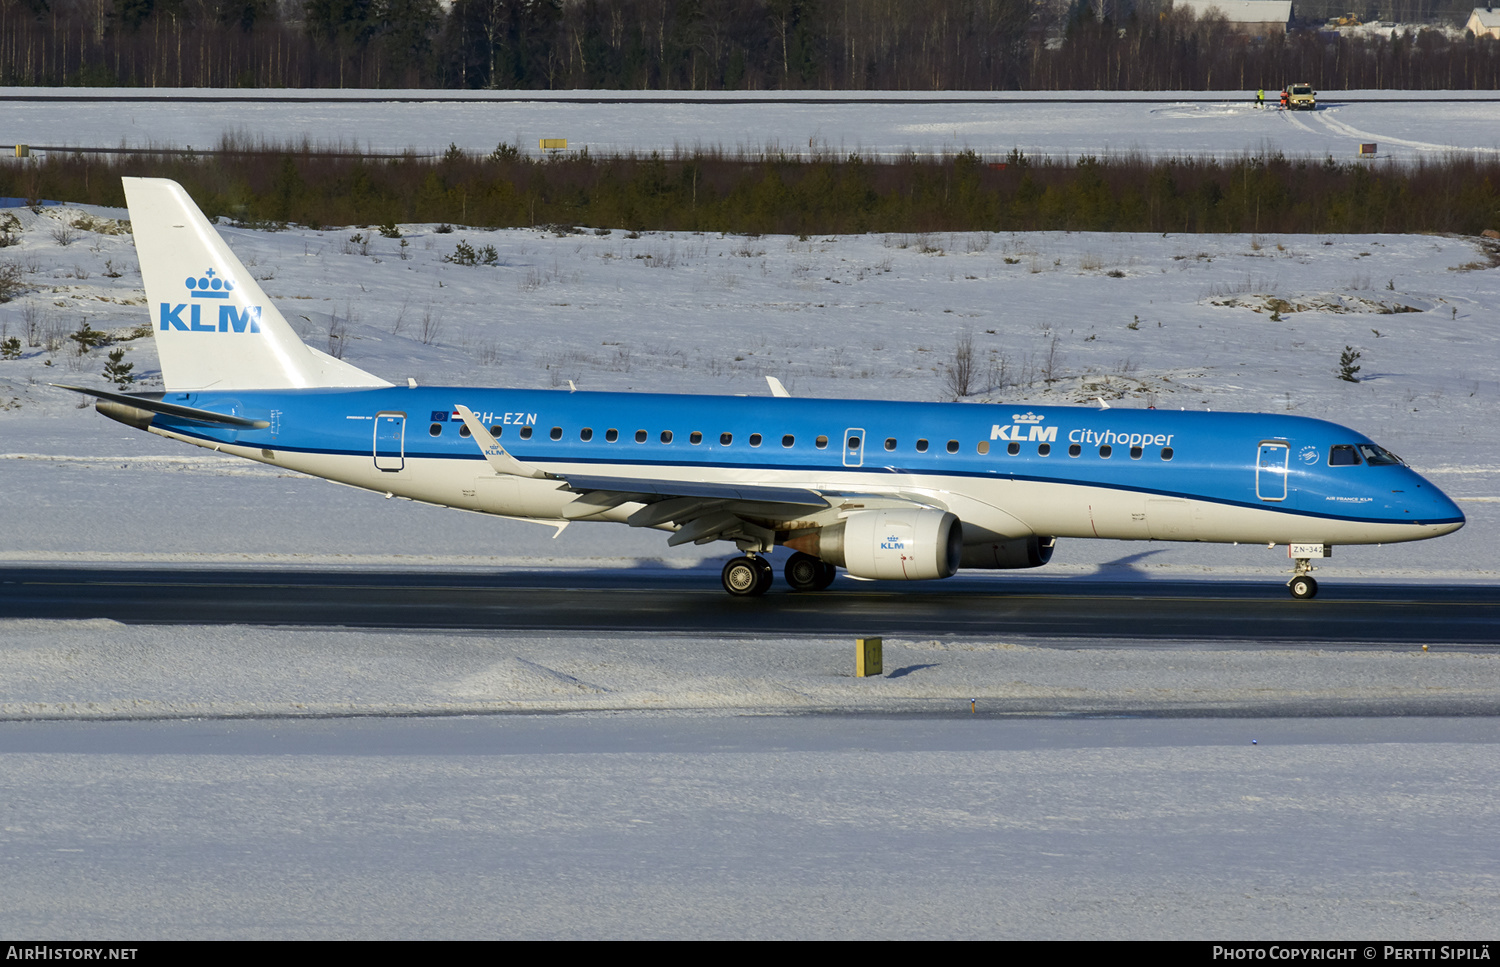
[[885, 490]]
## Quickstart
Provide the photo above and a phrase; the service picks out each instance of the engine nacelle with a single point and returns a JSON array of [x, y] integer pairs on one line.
[[894, 545], [1009, 555]]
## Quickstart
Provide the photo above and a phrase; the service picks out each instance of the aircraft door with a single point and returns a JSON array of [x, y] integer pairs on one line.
[[1270, 470], [390, 441], [854, 447]]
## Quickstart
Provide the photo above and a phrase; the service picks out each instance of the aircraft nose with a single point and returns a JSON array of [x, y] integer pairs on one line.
[[1439, 511]]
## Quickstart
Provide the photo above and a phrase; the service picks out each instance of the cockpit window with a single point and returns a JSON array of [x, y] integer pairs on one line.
[[1343, 455], [1378, 456]]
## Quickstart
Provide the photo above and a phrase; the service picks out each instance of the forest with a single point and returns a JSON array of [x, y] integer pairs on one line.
[[800, 195], [750, 45]]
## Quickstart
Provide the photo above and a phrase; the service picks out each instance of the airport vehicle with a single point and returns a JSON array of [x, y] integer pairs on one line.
[[884, 490], [1301, 97]]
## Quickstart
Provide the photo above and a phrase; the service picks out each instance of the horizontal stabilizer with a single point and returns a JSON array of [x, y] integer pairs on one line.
[[153, 404]]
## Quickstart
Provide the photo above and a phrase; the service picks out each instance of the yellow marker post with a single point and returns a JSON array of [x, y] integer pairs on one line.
[[866, 657], [554, 144], [23, 151]]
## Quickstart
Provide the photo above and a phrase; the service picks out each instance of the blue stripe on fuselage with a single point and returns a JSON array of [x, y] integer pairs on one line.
[[1214, 455]]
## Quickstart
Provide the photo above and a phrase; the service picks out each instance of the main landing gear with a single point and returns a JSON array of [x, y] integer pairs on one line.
[[751, 576], [747, 577]]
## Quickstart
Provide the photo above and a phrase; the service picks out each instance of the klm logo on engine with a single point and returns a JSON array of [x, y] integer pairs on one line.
[[893, 543], [210, 285], [1024, 427]]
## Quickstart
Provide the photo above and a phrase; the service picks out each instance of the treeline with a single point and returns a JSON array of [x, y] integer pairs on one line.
[[810, 194], [703, 45]]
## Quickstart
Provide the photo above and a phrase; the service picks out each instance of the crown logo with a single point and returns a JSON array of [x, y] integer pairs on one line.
[[209, 286], [1026, 418]]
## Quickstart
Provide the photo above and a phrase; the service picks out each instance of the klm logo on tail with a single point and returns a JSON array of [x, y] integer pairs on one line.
[[209, 286]]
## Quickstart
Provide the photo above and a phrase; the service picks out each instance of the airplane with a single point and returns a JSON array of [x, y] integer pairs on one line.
[[884, 490]]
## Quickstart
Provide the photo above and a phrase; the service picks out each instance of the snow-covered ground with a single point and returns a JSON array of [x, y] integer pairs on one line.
[[1405, 124], [1196, 321]]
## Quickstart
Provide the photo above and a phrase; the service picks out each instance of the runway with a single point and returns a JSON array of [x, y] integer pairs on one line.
[[692, 601], [872, 124]]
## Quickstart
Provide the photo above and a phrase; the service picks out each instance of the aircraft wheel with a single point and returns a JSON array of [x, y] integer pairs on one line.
[[1303, 588], [767, 575], [827, 572], [803, 572], [746, 577]]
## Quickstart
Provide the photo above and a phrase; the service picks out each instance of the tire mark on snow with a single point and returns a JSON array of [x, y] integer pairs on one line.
[[1339, 127]]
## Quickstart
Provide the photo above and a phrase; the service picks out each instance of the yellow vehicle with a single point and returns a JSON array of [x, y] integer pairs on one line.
[[1301, 97]]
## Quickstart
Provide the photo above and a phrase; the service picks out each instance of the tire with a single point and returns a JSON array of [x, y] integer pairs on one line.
[[746, 577], [829, 572], [1303, 588], [803, 572], [767, 576]]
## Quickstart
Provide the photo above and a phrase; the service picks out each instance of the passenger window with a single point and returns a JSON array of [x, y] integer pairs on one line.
[[1166, 453], [1343, 455], [921, 446], [526, 433], [1106, 450], [1135, 453], [666, 436], [586, 434], [725, 439], [640, 436], [952, 446], [695, 438], [557, 433], [788, 440], [755, 439], [1043, 449], [436, 429], [852, 443], [496, 430], [611, 435], [1012, 448], [821, 443], [984, 446], [890, 443], [463, 430], [1075, 450]]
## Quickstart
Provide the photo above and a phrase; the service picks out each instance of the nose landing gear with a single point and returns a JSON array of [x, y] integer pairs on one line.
[[1302, 585]]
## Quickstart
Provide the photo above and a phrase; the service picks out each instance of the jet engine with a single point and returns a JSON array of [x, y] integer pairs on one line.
[[890, 545], [1008, 555]]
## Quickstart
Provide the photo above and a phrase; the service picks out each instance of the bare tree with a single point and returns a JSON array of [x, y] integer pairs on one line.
[[960, 374]]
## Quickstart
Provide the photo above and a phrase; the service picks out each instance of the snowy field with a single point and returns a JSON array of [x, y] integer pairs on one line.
[[1404, 124], [748, 788], [686, 827]]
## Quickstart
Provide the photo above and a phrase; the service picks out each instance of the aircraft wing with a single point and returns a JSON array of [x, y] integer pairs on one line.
[[699, 511], [702, 512]]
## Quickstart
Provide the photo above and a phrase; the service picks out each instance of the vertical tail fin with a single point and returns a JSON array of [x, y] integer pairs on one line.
[[215, 328]]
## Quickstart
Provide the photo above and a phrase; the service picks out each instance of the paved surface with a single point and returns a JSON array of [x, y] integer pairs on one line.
[[693, 601]]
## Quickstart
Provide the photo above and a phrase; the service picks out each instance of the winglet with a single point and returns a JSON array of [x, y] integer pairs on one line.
[[776, 388], [497, 457]]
